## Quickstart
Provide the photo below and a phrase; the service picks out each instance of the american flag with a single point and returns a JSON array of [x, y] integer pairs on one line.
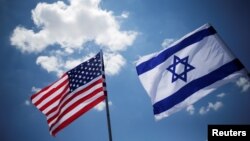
[[76, 92]]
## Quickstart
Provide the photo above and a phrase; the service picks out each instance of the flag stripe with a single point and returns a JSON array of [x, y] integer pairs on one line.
[[78, 90], [75, 104], [54, 95], [82, 92], [40, 94], [78, 114], [55, 101], [155, 61], [51, 94], [196, 85], [74, 98], [87, 86], [52, 89], [67, 98], [37, 95], [51, 111]]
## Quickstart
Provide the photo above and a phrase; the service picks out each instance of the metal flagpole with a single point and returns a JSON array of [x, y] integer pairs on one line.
[[108, 117], [106, 100]]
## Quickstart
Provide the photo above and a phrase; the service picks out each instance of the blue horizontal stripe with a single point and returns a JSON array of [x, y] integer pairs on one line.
[[194, 38], [197, 85]]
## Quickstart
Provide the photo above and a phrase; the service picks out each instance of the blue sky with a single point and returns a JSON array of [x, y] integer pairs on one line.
[[42, 39]]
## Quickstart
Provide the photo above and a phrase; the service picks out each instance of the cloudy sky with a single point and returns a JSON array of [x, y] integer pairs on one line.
[[42, 39]]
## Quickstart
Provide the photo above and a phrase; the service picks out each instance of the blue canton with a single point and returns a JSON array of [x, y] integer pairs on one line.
[[183, 75], [85, 72]]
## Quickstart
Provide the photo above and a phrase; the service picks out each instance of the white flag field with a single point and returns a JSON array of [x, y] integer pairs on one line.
[[187, 70]]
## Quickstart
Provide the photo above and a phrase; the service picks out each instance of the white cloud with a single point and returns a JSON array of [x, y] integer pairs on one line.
[[27, 102], [49, 63], [125, 14], [203, 111], [211, 106], [166, 42], [113, 63], [28, 41], [102, 105], [221, 95], [35, 89], [190, 109], [243, 83], [55, 63], [71, 63], [71, 26]]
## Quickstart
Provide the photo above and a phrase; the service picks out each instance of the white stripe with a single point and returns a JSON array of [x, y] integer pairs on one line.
[[76, 109], [74, 100], [80, 88], [206, 56], [77, 90], [53, 121], [35, 99], [46, 110], [52, 96], [198, 95], [149, 56], [86, 85]]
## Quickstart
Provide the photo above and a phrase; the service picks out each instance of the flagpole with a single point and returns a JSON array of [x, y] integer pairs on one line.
[[106, 101], [108, 117]]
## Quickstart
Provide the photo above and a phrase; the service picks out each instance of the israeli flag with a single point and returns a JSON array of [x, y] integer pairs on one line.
[[188, 70]]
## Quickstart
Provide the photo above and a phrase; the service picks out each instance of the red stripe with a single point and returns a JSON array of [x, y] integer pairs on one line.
[[36, 94], [47, 87], [59, 96], [51, 92], [70, 108], [51, 111], [78, 114], [60, 105]]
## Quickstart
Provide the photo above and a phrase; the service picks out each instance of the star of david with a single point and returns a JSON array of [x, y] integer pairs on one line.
[[183, 65]]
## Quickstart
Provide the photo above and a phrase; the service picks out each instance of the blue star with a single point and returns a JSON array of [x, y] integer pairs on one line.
[[183, 75]]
